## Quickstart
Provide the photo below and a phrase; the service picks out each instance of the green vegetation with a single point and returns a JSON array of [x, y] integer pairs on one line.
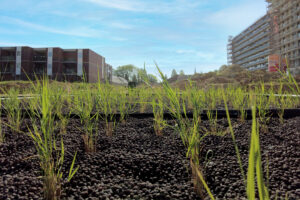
[[107, 105], [13, 110], [158, 112], [83, 106], [134, 74], [46, 143], [51, 105], [2, 136]]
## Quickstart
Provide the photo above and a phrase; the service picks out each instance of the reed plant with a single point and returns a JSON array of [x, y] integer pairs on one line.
[[239, 102], [62, 108], [158, 112], [234, 139], [2, 134], [83, 106], [255, 170], [13, 109], [144, 96], [50, 150], [132, 99], [124, 104], [212, 99], [263, 106], [186, 94], [189, 133], [106, 104], [284, 101]]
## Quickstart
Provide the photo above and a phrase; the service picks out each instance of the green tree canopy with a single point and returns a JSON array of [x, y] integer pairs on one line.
[[125, 71], [135, 74], [174, 73], [152, 78]]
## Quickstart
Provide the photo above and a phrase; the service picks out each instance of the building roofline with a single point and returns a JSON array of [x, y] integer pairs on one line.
[[260, 18]]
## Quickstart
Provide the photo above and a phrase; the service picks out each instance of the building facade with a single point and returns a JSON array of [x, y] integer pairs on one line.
[[285, 30], [23, 63], [275, 35], [251, 48]]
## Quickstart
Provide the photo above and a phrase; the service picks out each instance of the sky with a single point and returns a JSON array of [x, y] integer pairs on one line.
[[175, 34]]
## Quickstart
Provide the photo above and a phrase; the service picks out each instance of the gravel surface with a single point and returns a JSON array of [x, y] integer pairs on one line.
[[137, 164]]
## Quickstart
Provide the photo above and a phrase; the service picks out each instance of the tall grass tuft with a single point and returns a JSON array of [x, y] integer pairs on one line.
[[84, 104], [62, 101], [233, 139], [106, 104], [13, 109], [158, 112], [255, 165], [189, 133], [50, 151], [2, 136]]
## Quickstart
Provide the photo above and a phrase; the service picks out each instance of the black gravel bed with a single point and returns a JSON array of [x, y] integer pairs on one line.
[[280, 147], [137, 164]]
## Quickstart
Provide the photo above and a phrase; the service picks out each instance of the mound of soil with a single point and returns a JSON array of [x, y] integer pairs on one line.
[[233, 75], [137, 164]]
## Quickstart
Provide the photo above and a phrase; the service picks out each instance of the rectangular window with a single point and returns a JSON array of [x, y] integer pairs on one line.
[[7, 68]]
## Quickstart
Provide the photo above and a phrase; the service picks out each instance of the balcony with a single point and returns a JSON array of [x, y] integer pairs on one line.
[[251, 40], [7, 58], [252, 46], [39, 58], [250, 35], [251, 52], [70, 60]]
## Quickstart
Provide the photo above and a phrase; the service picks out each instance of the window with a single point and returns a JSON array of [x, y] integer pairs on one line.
[[39, 68], [7, 68], [70, 69]]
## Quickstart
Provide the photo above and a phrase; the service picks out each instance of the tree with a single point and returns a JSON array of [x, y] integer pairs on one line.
[[174, 73], [223, 68], [152, 78], [126, 71], [126, 77], [135, 74], [134, 78], [181, 72]]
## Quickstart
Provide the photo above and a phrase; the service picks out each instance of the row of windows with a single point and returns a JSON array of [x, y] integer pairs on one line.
[[253, 45], [239, 45], [253, 27], [252, 51], [264, 28], [255, 56]]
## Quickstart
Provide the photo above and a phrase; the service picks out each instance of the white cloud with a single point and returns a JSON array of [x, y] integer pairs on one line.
[[120, 25], [79, 31], [119, 4], [153, 6], [198, 54]]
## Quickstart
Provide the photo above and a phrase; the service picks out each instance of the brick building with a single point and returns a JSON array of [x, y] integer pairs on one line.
[[21, 63]]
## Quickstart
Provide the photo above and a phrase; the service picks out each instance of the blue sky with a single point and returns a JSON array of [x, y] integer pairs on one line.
[[177, 34]]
